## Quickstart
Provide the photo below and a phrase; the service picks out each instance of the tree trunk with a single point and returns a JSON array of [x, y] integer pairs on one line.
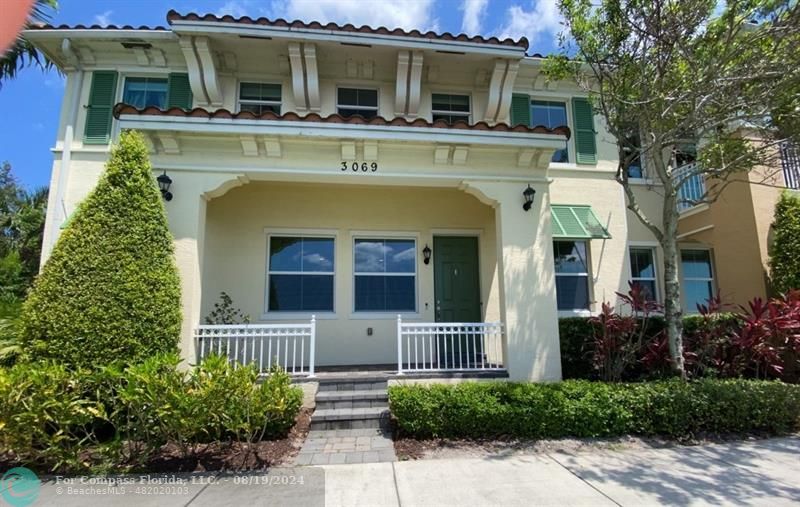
[[673, 315]]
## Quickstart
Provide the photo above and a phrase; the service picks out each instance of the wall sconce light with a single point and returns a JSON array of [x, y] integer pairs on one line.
[[164, 182], [426, 254], [528, 194]]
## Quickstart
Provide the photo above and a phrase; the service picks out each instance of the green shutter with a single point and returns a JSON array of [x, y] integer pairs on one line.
[[520, 110], [99, 111], [585, 144], [576, 222], [179, 93]]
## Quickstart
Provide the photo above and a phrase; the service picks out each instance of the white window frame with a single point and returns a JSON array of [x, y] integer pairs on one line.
[[684, 278], [299, 233], [467, 116], [654, 252], [379, 314], [239, 100], [577, 312], [376, 108], [123, 78], [567, 101]]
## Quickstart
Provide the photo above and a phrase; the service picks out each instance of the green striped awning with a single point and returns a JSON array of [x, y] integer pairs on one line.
[[576, 222]]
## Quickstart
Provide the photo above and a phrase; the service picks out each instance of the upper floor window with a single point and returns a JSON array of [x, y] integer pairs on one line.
[[635, 168], [143, 92], [357, 101], [450, 108], [551, 115], [260, 97]]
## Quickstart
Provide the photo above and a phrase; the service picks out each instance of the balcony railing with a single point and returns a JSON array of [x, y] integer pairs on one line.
[[291, 346], [790, 161], [692, 190], [450, 346]]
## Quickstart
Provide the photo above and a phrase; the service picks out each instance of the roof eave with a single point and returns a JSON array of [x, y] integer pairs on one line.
[[280, 32]]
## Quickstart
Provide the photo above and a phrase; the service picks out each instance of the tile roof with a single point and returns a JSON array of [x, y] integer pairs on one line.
[[198, 112], [173, 15], [47, 26]]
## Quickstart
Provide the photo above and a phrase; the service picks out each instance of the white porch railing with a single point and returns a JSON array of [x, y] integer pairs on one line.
[[291, 346], [449, 346], [693, 188]]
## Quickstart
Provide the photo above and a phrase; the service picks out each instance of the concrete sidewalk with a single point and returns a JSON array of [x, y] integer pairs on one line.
[[763, 472]]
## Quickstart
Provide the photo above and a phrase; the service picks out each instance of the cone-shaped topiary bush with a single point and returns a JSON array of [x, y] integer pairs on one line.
[[784, 252], [110, 289]]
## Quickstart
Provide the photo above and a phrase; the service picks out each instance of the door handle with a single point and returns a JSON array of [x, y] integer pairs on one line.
[[438, 308]]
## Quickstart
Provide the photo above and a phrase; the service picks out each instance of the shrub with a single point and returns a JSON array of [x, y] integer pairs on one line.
[[46, 418], [784, 263], [56, 419], [110, 289], [619, 339], [595, 409], [225, 313]]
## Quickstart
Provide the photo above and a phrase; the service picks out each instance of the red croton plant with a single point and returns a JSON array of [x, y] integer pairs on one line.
[[756, 341]]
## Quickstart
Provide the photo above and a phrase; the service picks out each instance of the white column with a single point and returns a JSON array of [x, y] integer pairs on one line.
[[187, 216], [527, 279]]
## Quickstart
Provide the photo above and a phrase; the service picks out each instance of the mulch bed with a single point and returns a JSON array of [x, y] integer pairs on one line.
[[217, 456], [235, 456], [436, 448]]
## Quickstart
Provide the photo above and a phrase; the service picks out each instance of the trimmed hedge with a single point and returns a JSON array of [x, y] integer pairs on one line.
[[56, 419], [110, 290], [593, 409]]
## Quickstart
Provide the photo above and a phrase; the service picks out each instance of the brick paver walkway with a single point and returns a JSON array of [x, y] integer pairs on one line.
[[335, 447]]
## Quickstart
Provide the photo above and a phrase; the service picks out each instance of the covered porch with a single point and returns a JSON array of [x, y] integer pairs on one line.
[[346, 276], [250, 192]]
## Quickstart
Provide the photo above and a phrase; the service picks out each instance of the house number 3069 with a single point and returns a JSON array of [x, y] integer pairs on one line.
[[359, 166]]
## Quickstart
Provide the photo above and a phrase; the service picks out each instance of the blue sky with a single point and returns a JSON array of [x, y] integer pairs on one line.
[[30, 103]]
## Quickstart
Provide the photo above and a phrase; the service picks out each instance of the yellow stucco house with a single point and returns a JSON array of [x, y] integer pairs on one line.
[[423, 201]]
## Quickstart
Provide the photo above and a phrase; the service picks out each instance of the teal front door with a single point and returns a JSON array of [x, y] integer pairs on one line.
[[456, 285]]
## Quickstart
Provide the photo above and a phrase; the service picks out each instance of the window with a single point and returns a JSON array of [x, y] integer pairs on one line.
[[572, 275], [260, 97], [300, 274], [356, 101], [635, 168], [643, 270], [143, 92], [698, 278], [551, 115], [385, 275], [450, 108]]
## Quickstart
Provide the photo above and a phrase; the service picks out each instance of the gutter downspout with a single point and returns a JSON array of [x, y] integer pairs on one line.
[[60, 211]]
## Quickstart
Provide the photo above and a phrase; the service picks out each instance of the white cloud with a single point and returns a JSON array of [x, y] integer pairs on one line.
[[407, 14], [474, 11], [232, 7], [542, 19], [103, 19]]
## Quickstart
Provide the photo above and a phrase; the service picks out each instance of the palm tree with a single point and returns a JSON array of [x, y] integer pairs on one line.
[[23, 52]]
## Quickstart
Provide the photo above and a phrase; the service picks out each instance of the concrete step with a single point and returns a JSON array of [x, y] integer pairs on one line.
[[349, 418], [352, 399], [359, 384]]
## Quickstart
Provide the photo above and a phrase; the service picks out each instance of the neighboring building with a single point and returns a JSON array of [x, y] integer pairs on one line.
[[725, 244], [315, 168]]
